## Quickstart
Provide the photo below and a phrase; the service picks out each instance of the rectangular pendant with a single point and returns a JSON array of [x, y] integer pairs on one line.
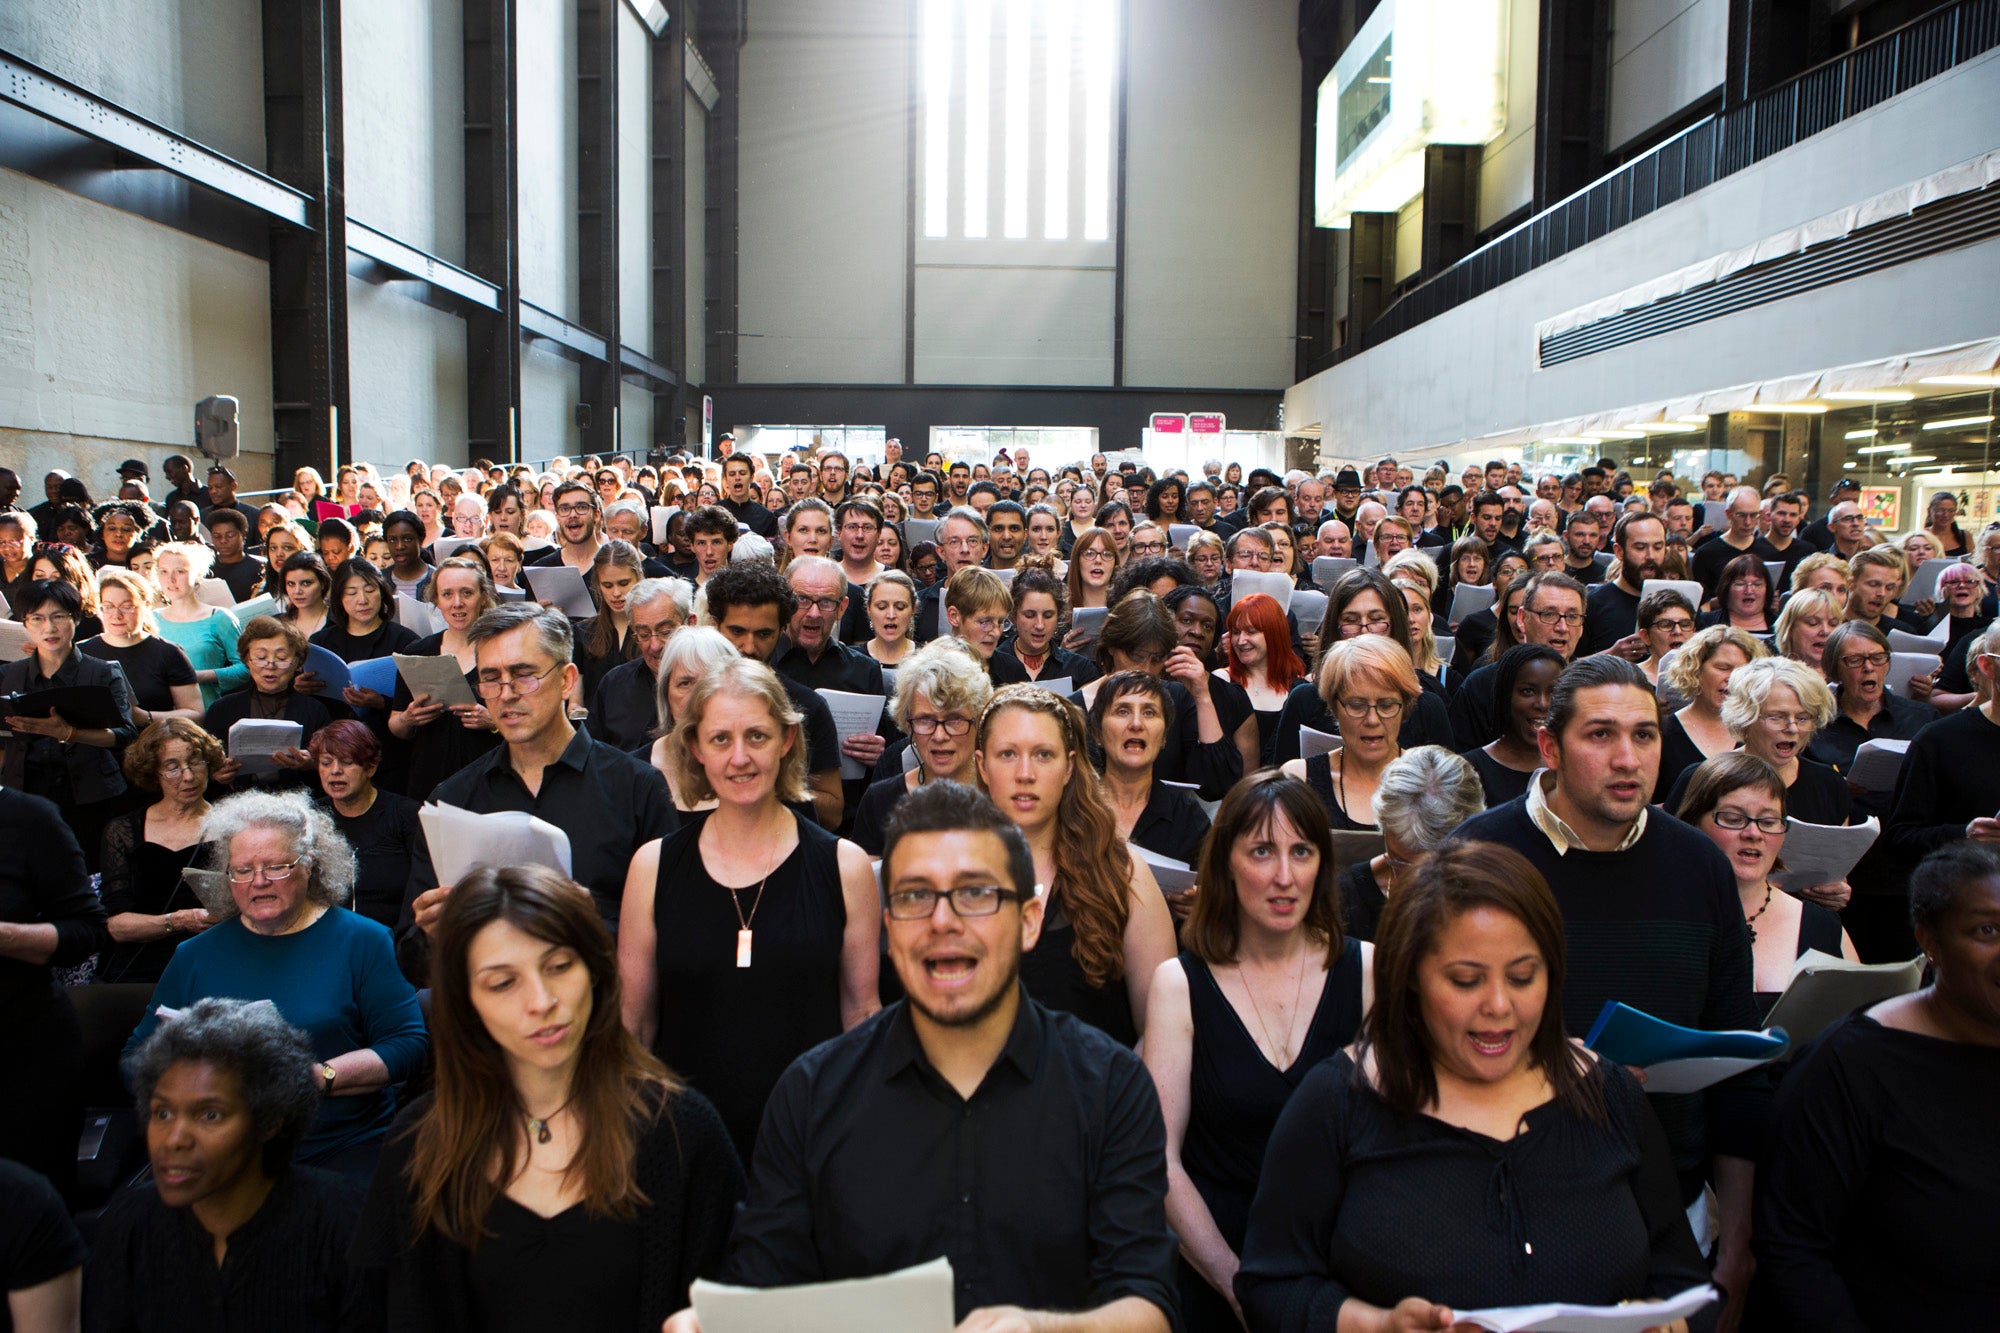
[[743, 948]]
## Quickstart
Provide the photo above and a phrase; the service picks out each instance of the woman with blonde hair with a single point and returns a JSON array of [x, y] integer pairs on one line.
[[157, 670], [1367, 683], [1206, 557], [750, 934], [1106, 927], [1824, 571], [207, 634], [1700, 674], [1810, 617], [890, 604], [942, 689], [693, 652], [436, 745]]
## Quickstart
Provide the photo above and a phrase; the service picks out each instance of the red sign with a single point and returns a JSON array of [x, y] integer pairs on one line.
[[1170, 423], [1205, 423]]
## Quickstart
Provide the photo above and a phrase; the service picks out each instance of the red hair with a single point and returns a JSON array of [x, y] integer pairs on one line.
[[1260, 611]]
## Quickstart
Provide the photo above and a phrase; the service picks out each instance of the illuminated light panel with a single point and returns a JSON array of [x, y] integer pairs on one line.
[[1100, 60], [1868, 434], [1667, 427], [1447, 84], [1055, 163], [1908, 459], [1965, 381], [1014, 214], [978, 111], [937, 117], [1808, 409], [1571, 439], [1692, 421], [1884, 448], [1870, 396], [1956, 422], [1618, 434]]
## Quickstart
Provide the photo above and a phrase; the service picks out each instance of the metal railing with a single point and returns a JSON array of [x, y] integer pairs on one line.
[[1713, 147]]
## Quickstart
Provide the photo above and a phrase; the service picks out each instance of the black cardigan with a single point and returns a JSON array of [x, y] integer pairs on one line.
[[686, 1166]]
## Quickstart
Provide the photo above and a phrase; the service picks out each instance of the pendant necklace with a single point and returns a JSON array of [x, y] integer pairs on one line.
[[742, 921], [1752, 922], [540, 1128]]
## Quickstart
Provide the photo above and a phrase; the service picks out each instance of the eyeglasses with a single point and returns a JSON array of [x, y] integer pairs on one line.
[[248, 874], [1736, 821], [951, 726], [1378, 623], [174, 768], [525, 680], [965, 899], [648, 634], [1552, 618], [1857, 661], [1677, 625], [1149, 548], [49, 621], [575, 510], [1382, 708], [1789, 721], [825, 605]]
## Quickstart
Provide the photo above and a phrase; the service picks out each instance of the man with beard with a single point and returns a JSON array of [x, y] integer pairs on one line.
[[1198, 506], [1580, 536], [577, 531], [1639, 541], [1007, 534], [1743, 508]]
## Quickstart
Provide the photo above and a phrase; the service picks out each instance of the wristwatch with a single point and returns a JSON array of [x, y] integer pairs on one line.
[[326, 1077]]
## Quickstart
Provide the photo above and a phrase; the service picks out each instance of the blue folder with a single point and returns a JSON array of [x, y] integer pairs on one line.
[[1633, 1037]]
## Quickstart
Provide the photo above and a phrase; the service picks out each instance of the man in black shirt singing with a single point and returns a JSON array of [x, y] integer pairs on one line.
[[736, 472], [967, 1120]]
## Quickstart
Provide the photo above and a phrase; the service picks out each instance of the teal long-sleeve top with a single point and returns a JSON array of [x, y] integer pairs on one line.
[[336, 980], [210, 644]]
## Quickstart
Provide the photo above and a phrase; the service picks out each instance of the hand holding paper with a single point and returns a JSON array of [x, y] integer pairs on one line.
[[462, 842], [1678, 1059], [913, 1300]]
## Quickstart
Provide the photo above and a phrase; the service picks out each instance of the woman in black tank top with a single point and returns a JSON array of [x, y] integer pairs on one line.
[[750, 935], [1266, 988]]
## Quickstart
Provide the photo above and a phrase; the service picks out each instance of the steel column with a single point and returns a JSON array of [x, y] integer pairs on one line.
[[1573, 75], [720, 44], [597, 215], [1371, 270], [1451, 204], [669, 203], [492, 338]]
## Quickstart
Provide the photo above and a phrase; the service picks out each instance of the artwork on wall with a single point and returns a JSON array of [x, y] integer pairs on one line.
[[1882, 507]]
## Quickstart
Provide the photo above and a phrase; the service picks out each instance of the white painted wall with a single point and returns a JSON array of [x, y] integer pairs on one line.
[[635, 172], [1507, 168], [635, 418], [696, 261], [195, 66], [404, 72], [1212, 192], [545, 136], [406, 377], [1665, 56], [1041, 326], [550, 391], [1474, 371], [111, 327]]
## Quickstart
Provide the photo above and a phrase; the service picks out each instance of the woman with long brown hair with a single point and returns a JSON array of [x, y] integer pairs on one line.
[[605, 640], [1464, 1153], [557, 1176], [1106, 921]]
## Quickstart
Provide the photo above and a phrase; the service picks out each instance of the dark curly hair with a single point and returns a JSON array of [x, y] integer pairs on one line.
[[271, 1059]]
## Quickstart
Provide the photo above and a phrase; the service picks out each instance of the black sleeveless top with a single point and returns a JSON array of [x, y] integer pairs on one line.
[[732, 1031], [1819, 928], [1055, 979], [439, 748], [1319, 776], [1234, 1097], [1500, 783]]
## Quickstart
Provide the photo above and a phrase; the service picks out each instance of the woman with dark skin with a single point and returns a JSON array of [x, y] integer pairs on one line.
[[1525, 681]]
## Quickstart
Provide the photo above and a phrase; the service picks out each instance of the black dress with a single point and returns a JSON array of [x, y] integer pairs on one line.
[[1234, 1097], [1359, 1201], [153, 666], [142, 876], [1500, 783], [310, 711], [388, 637], [1876, 1206], [1677, 752], [384, 837], [731, 1031], [441, 747], [1055, 979], [1361, 900], [1819, 928], [1319, 776]]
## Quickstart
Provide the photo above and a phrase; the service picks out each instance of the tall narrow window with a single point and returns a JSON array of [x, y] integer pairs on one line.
[[1100, 62], [1020, 44], [937, 116], [1061, 68], [978, 110]]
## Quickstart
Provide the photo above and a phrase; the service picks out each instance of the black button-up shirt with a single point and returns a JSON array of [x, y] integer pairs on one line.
[[609, 803], [837, 667], [624, 710], [1046, 1189]]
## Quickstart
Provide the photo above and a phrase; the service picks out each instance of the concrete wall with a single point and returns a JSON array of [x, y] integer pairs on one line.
[[1507, 167], [406, 377], [550, 391], [1421, 390], [403, 66], [1211, 192], [195, 66], [546, 135], [111, 327], [1666, 55]]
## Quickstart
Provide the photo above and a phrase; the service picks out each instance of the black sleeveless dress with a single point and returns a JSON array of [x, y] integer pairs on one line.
[[1055, 979], [1234, 1097], [439, 748], [1319, 776], [1819, 928], [732, 1031]]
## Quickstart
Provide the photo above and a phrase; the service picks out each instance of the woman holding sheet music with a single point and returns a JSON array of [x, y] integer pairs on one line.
[[361, 624], [207, 634], [1128, 724], [941, 690], [1774, 708], [49, 755], [145, 852], [274, 651], [67, 563], [1882, 1165], [442, 738], [1367, 682], [158, 673], [381, 826], [605, 640], [1855, 662]]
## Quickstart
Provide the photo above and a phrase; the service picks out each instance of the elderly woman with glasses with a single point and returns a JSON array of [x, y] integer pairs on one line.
[[148, 851], [273, 650], [941, 690], [1367, 683], [331, 972], [1423, 796], [1855, 663]]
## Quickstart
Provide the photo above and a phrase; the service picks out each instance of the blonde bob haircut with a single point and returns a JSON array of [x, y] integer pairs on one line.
[[948, 673], [1367, 659], [1806, 602], [1750, 687], [972, 590], [1683, 676], [139, 588], [744, 678]]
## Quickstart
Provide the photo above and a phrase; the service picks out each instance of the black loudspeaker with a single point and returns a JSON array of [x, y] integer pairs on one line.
[[215, 426]]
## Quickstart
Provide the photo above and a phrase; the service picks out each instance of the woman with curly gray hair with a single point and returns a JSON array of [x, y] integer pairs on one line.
[[280, 874], [1424, 794], [226, 1091]]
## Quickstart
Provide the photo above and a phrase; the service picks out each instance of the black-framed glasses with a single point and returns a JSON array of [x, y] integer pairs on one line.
[[966, 900], [1386, 709], [1736, 821], [524, 681], [1856, 661], [953, 726], [1549, 616]]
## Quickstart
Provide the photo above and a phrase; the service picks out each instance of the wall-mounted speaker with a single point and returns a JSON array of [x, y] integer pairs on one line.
[[215, 426]]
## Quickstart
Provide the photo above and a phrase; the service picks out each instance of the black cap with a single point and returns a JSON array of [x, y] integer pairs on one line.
[[135, 467], [1347, 480], [1845, 484]]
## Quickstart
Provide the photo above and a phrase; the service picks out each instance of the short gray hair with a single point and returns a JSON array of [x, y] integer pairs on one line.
[[551, 628], [330, 867], [647, 590], [1750, 687], [750, 549], [272, 1061], [626, 507], [1424, 794], [700, 646], [950, 675], [819, 562]]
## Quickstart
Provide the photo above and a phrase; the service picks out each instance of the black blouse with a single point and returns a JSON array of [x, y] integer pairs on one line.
[[144, 877], [1357, 1201], [1500, 783], [1361, 900], [153, 666], [386, 638], [384, 838]]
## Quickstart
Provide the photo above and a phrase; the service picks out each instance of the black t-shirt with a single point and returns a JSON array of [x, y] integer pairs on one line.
[[152, 666], [1713, 556], [245, 578], [38, 1242], [386, 638]]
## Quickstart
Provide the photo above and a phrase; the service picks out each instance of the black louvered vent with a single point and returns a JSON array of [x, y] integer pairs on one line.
[[1946, 225]]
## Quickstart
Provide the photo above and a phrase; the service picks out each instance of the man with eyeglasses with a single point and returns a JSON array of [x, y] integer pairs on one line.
[[736, 498], [1743, 508], [809, 655], [924, 496], [577, 532], [608, 802], [965, 1072], [625, 711], [961, 540], [1149, 541], [1652, 919], [1552, 614], [1639, 540]]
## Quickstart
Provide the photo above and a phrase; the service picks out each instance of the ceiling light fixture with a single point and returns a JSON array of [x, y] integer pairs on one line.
[[1808, 409], [1868, 434], [1965, 381], [1883, 448], [1870, 396], [1955, 422]]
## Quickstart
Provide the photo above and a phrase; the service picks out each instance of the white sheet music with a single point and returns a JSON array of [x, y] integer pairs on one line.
[[911, 1300], [461, 842], [253, 741], [853, 715], [1313, 742]]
